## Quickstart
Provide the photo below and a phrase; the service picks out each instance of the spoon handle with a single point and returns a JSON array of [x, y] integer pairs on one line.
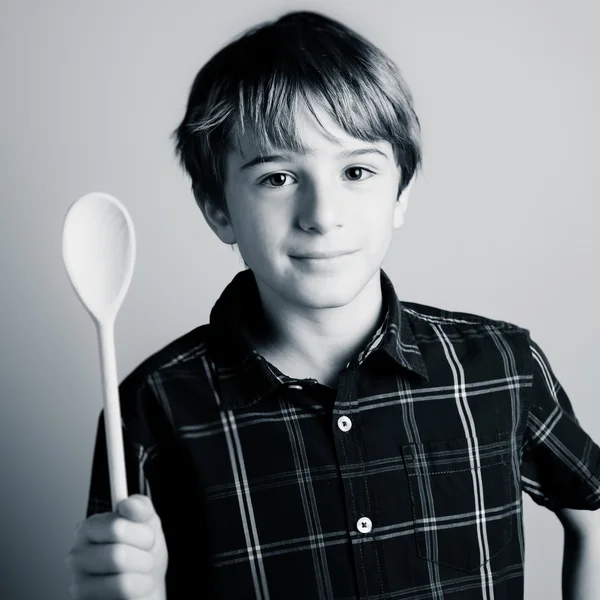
[[112, 414]]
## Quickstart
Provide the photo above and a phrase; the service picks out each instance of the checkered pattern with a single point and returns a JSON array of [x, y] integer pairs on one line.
[[263, 493]]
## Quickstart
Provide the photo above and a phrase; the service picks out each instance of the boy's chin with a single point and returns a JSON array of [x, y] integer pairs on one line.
[[324, 292]]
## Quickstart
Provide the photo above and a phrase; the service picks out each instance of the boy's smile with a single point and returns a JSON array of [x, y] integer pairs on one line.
[[325, 262], [314, 227]]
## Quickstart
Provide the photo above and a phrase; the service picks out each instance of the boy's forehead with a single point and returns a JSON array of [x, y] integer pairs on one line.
[[306, 136], [251, 144]]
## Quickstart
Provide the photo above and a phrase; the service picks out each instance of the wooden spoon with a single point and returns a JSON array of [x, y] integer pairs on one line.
[[99, 255]]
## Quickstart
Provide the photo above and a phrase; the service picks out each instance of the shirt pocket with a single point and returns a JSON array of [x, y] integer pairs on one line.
[[462, 496]]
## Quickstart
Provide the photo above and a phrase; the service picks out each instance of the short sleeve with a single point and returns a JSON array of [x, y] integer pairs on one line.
[[560, 462]]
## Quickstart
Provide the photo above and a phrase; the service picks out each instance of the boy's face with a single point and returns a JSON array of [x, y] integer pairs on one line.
[[290, 213]]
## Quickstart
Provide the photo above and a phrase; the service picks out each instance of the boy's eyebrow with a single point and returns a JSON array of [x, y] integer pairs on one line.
[[259, 160]]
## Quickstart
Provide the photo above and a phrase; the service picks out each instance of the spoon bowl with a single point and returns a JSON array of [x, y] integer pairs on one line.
[[99, 255]]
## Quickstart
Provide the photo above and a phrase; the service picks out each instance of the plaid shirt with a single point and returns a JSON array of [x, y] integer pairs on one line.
[[405, 482]]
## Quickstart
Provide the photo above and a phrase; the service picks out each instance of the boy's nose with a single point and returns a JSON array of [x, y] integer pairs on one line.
[[320, 208]]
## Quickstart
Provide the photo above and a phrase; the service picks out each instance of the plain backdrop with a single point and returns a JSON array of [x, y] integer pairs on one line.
[[503, 221]]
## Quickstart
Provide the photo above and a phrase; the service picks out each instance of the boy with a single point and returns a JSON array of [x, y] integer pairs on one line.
[[319, 438]]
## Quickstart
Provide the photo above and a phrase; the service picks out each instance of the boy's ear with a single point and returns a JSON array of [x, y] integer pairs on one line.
[[401, 204], [216, 217]]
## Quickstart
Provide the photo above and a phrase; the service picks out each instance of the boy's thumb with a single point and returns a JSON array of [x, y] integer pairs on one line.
[[136, 508]]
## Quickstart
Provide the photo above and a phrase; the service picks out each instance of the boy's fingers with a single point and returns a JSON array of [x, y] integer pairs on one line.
[[136, 508], [109, 528], [130, 585], [99, 559]]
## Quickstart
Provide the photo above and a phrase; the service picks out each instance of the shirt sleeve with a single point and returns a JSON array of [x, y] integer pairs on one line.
[[99, 499], [560, 462], [138, 431], [156, 466]]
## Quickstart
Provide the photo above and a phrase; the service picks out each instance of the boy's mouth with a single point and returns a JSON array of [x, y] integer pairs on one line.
[[324, 255], [323, 262]]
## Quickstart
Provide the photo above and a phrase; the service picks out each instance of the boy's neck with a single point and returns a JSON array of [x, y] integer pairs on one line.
[[317, 343]]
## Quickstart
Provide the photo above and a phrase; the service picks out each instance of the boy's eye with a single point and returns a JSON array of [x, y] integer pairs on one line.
[[275, 180], [355, 173]]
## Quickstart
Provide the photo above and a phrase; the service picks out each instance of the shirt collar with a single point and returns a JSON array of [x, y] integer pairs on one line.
[[245, 377]]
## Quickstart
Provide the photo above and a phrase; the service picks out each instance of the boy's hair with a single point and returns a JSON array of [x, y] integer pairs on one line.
[[267, 74]]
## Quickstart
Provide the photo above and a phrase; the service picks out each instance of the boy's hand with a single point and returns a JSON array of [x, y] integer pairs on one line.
[[120, 554]]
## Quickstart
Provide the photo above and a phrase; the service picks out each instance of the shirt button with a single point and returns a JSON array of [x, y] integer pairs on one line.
[[344, 423], [364, 525]]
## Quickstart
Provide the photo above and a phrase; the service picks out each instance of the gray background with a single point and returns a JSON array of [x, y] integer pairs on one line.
[[503, 222]]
